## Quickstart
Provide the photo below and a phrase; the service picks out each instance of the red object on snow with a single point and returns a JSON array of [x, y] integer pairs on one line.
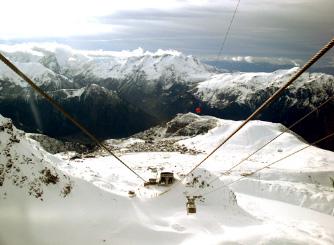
[[198, 110]]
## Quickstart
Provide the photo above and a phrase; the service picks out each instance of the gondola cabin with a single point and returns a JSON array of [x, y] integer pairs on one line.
[[166, 178]]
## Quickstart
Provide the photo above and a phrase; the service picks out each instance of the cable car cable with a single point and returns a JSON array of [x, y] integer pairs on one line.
[[270, 141], [272, 98], [227, 31], [266, 166], [62, 110]]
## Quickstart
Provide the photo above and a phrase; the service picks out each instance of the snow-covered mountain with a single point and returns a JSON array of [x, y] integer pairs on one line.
[[237, 95], [289, 203], [156, 85], [244, 88], [141, 83], [39, 60]]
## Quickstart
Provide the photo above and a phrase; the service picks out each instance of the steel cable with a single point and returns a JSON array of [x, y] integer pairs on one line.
[[61, 109]]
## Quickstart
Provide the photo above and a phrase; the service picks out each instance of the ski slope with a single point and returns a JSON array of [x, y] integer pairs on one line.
[[282, 205]]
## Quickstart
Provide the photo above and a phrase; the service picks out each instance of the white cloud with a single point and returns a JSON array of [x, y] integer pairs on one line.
[[62, 18], [36, 49], [254, 59], [39, 18], [286, 28]]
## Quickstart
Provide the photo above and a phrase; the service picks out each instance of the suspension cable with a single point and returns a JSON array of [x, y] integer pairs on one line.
[[270, 141], [228, 31], [272, 98], [62, 110], [266, 166]]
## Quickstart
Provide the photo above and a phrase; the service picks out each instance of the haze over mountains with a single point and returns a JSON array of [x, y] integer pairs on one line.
[[116, 94]]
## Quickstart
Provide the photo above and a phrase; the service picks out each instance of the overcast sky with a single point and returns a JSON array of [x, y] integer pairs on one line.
[[283, 31]]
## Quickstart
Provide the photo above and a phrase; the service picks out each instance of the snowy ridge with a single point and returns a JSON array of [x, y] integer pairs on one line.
[[34, 70], [24, 165], [242, 87], [107, 64]]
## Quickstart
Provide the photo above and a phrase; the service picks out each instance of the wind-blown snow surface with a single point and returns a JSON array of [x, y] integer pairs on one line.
[[274, 208]]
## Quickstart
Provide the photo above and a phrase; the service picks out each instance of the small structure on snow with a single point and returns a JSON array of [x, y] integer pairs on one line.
[[166, 178], [190, 205], [151, 181], [131, 194]]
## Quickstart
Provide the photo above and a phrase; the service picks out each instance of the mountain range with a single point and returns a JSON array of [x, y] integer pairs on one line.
[[117, 94]]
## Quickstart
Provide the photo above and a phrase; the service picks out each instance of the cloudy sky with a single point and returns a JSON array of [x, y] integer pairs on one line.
[[281, 31]]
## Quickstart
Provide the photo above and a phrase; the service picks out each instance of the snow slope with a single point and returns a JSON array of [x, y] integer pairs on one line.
[[25, 166], [99, 211], [304, 179]]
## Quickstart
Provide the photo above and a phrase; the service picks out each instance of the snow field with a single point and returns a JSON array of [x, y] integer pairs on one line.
[[257, 210]]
